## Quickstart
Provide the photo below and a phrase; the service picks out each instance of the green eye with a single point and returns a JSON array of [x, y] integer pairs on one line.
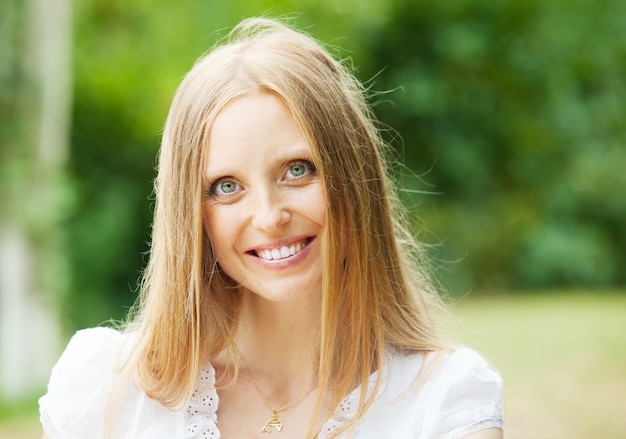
[[223, 187], [297, 170], [227, 187], [300, 168]]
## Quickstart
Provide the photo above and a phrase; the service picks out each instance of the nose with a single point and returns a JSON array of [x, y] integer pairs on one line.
[[269, 211]]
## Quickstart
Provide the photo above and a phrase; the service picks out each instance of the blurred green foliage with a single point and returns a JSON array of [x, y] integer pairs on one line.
[[515, 112], [15, 101], [508, 115]]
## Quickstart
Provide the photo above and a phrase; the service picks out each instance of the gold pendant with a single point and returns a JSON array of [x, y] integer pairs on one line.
[[272, 422]]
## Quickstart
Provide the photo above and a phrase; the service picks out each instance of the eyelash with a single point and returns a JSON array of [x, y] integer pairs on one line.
[[310, 169]]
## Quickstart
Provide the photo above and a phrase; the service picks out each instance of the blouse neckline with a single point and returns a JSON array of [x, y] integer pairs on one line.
[[201, 410]]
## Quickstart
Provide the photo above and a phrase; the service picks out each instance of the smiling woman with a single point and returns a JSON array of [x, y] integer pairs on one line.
[[279, 250]]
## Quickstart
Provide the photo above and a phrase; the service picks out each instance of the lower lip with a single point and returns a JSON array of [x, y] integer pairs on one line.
[[288, 262]]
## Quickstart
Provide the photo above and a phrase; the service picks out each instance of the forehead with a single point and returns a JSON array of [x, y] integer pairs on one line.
[[253, 127]]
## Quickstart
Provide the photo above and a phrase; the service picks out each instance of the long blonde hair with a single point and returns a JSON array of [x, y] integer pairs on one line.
[[376, 294]]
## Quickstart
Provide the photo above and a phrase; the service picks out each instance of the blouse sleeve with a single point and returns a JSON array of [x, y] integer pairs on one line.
[[466, 395], [79, 386]]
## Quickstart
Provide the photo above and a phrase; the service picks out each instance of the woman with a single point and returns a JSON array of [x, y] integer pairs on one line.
[[283, 295]]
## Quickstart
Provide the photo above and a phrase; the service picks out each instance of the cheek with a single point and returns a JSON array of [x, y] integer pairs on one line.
[[317, 205], [216, 226]]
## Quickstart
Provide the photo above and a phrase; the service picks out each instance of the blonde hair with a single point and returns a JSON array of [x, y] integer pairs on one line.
[[376, 294]]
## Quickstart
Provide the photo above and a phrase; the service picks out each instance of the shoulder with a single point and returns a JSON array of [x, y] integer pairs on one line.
[[90, 350], [82, 379], [446, 368], [90, 354], [94, 341], [457, 392], [464, 365]]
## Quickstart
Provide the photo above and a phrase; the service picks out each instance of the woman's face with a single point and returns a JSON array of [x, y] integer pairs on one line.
[[265, 205]]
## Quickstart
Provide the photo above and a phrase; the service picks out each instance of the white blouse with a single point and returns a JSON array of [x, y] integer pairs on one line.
[[461, 395]]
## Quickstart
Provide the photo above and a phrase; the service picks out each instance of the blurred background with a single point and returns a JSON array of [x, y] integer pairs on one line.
[[508, 119]]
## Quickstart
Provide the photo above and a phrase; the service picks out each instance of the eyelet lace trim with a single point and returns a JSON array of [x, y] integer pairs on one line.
[[347, 408], [201, 414]]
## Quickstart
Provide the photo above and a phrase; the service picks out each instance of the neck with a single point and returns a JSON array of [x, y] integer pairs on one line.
[[279, 341]]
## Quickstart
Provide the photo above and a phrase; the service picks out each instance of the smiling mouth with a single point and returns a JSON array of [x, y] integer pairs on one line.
[[284, 252]]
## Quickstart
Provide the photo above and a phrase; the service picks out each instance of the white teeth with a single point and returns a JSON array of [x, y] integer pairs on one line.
[[280, 253]]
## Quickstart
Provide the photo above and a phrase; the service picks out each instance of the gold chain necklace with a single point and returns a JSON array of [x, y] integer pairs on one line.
[[274, 421]]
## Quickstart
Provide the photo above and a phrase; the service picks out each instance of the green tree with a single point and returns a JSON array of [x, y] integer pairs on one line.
[[513, 112]]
